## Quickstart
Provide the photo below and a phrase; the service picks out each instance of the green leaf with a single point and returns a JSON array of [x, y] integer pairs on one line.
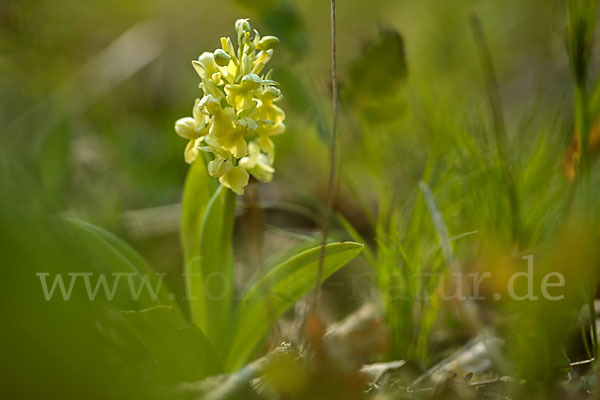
[[211, 302], [113, 255], [276, 291], [181, 353], [198, 190], [206, 233]]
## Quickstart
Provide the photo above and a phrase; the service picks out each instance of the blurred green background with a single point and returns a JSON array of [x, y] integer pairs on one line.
[[89, 92]]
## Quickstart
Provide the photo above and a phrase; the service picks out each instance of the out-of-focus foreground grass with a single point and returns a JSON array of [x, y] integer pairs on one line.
[[90, 91]]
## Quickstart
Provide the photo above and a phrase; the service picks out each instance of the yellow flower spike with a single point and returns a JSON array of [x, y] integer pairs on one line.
[[236, 179], [237, 105]]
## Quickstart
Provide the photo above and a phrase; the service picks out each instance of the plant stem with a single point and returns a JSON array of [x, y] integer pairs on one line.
[[332, 157]]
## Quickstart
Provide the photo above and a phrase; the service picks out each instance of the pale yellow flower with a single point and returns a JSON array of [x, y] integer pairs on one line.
[[241, 96], [236, 179], [257, 163], [192, 129]]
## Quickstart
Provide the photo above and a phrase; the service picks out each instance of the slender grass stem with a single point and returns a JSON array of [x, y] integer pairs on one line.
[[492, 87], [500, 134], [332, 158]]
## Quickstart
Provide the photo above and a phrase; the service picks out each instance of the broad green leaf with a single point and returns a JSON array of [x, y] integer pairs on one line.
[[211, 302], [276, 291], [140, 288], [182, 353], [198, 190], [206, 233], [198, 193]]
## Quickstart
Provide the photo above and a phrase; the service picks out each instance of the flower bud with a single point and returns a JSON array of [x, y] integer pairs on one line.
[[225, 44], [185, 127], [242, 26], [222, 58], [205, 66], [207, 59], [271, 93], [268, 43], [251, 80]]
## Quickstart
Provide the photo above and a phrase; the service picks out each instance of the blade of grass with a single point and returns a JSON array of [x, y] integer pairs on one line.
[[499, 125]]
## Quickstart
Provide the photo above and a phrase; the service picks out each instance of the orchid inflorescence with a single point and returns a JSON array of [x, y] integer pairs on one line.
[[236, 118]]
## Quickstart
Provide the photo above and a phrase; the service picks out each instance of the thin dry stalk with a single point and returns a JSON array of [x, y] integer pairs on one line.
[[332, 158]]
